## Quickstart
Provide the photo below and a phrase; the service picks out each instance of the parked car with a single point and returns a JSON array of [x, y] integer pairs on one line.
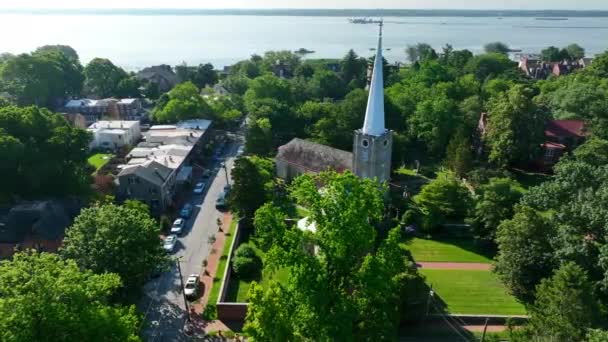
[[199, 188], [169, 243], [206, 174], [220, 202], [192, 286], [186, 211], [178, 226]]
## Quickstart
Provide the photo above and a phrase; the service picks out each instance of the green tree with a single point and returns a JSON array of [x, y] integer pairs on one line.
[[495, 203], [552, 54], [103, 77], [350, 289], [443, 198], [497, 47], [128, 88], [525, 254], [151, 91], [575, 52], [236, 84], [67, 50], [259, 137], [515, 127], [253, 178], [593, 152], [267, 87], [205, 75], [116, 239], [489, 65], [327, 84], [420, 52], [459, 154], [183, 102], [269, 226], [42, 155], [46, 298], [565, 306], [599, 67], [34, 79], [433, 123], [354, 68]]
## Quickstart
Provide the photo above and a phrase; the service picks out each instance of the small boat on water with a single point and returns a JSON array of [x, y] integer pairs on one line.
[[364, 21]]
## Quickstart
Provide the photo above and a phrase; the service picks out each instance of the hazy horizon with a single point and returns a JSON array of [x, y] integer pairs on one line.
[[582, 5]]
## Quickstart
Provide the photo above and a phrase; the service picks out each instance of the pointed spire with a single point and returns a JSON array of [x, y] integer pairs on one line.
[[374, 115]]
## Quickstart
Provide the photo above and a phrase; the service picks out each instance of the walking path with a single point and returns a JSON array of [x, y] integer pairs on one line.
[[454, 266]]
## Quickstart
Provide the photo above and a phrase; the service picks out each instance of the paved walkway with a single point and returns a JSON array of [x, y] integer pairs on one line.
[[454, 266]]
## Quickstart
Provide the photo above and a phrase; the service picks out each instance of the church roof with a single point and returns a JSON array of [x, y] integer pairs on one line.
[[374, 114], [315, 157]]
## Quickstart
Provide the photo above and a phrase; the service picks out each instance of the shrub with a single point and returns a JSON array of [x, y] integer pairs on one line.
[[245, 251], [246, 268]]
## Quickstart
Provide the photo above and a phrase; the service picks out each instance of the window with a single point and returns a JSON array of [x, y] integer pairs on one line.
[[365, 143], [385, 143]]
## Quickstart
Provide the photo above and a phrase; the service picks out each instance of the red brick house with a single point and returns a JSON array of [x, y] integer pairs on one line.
[[562, 136]]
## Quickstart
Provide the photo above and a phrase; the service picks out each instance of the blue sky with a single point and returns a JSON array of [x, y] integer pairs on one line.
[[446, 4]]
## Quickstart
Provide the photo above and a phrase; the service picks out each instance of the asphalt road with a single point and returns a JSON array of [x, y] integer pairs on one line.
[[163, 305]]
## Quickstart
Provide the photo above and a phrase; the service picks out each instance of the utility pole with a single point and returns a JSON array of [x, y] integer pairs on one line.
[[226, 173], [181, 281]]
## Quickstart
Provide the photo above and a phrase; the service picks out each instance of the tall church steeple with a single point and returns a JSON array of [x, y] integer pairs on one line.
[[374, 114], [373, 144]]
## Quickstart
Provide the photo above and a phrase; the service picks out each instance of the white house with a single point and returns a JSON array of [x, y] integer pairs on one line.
[[114, 134]]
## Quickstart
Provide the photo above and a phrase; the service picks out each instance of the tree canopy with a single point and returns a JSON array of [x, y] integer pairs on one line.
[[46, 298], [103, 77], [116, 239]]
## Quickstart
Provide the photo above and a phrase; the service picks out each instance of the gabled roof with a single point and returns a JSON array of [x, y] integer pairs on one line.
[[565, 128], [151, 171], [315, 157]]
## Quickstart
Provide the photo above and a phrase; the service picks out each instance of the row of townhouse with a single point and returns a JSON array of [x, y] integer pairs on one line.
[[161, 162], [96, 110]]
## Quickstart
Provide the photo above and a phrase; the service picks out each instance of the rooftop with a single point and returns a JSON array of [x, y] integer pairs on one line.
[[150, 170], [565, 128], [315, 157]]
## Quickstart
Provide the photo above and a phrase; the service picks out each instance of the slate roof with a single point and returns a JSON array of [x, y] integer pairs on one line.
[[151, 171], [315, 157]]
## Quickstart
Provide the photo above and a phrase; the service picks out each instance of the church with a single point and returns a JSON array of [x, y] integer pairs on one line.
[[372, 144]]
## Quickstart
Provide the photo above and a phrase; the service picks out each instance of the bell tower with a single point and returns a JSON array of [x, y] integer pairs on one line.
[[373, 144]]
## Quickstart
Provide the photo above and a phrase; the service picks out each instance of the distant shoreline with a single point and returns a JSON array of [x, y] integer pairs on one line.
[[320, 12]]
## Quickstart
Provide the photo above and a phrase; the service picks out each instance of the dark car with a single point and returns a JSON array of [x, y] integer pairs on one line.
[[186, 211]]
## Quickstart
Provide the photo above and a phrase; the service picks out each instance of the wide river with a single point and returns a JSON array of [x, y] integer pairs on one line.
[[138, 41]]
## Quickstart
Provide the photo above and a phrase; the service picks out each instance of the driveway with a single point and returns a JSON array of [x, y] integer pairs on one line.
[[163, 305]]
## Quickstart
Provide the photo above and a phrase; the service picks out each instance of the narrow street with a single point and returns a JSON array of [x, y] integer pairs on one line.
[[163, 305]]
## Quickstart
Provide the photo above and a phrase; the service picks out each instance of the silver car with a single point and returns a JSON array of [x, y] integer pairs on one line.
[[169, 243], [178, 226], [192, 286]]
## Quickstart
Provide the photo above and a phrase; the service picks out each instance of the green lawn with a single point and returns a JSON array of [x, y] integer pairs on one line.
[[454, 250], [221, 267], [239, 289], [98, 160], [472, 292]]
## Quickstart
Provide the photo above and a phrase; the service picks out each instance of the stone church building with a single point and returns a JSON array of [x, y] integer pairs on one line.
[[372, 144]]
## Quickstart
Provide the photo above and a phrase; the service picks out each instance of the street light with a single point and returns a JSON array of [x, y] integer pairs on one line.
[[223, 165], [181, 280]]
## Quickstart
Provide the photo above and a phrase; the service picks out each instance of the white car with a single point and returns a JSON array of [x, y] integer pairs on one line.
[[169, 243], [192, 286], [178, 226]]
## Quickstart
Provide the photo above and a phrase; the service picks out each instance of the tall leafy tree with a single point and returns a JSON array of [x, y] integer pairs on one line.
[[525, 254], [349, 290], [565, 306], [495, 203], [354, 68], [116, 239], [515, 127], [183, 102], [552, 54], [575, 51], [46, 298], [420, 52], [459, 154], [103, 77], [42, 155], [253, 182], [497, 47]]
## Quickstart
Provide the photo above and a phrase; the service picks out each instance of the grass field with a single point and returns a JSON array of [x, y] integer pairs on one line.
[[455, 250], [239, 289], [221, 267], [98, 160], [472, 292]]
